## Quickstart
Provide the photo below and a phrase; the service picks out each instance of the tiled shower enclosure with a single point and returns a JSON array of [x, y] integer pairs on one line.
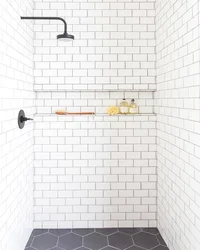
[[99, 182]]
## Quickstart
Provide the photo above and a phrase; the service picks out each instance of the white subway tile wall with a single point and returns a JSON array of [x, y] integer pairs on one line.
[[177, 108], [95, 171], [16, 146], [114, 46]]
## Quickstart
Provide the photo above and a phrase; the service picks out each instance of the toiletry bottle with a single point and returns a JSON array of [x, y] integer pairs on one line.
[[123, 107], [133, 109]]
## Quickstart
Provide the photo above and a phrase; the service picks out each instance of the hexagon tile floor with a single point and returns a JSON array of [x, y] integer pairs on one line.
[[96, 239]]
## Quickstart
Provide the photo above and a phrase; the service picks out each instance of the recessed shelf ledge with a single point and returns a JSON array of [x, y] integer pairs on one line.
[[91, 90], [119, 115]]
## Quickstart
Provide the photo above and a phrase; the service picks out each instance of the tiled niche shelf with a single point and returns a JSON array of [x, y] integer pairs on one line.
[[95, 90], [47, 102]]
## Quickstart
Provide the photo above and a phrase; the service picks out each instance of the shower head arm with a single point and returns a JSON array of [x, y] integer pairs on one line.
[[48, 18]]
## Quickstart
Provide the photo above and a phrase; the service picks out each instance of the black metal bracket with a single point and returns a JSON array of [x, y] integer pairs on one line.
[[22, 119]]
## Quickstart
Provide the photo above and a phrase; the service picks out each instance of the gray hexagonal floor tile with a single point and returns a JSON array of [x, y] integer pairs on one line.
[[120, 240], [83, 231], [95, 241], [82, 248], [109, 248], [151, 230], [161, 240], [106, 231], [39, 232], [145, 240], [59, 232], [56, 248], [135, 248], [130, 231], [70, 241], [160, 248], [44, 241]]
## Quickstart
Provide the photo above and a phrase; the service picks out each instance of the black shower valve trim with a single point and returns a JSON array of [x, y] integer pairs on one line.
[[22, 119]]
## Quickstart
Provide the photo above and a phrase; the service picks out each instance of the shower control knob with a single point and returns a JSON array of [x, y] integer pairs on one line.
[[22, 119]]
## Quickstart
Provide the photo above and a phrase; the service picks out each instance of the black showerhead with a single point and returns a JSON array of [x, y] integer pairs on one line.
[[65, 37]]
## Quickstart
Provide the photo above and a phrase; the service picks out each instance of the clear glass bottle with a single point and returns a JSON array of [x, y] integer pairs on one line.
[[133, 109], [123, 107]]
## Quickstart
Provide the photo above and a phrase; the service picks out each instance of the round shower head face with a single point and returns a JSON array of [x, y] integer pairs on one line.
[[65, 37]]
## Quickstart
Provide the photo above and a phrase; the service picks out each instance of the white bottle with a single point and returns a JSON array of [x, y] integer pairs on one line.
[[133, 109], [123, 107]]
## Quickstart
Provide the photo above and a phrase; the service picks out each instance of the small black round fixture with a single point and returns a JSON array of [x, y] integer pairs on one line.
[[22, 119]]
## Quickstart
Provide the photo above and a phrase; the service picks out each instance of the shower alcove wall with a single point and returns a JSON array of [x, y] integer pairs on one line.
[[95, 171]]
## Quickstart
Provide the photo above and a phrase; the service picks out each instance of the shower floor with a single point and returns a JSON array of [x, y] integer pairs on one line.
[[96, 239]]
